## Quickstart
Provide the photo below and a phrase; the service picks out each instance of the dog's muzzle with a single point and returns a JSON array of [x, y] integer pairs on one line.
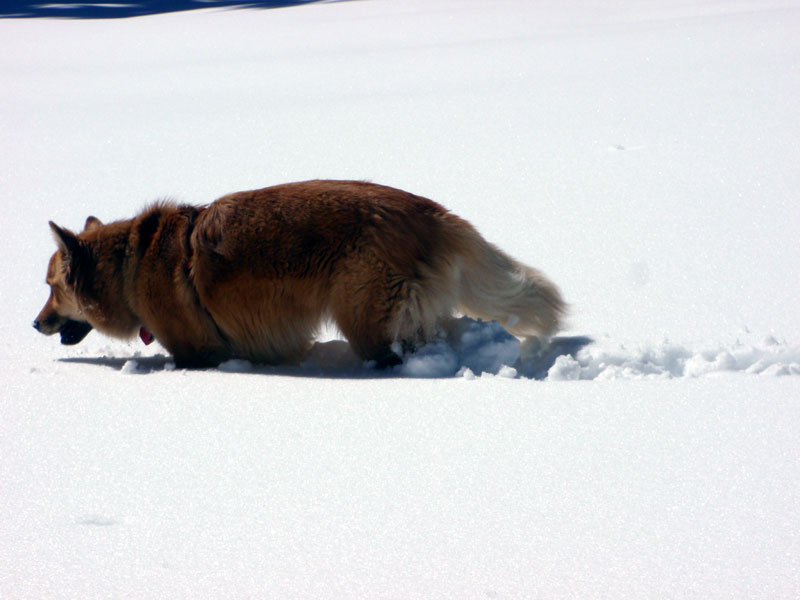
[[71, 332]]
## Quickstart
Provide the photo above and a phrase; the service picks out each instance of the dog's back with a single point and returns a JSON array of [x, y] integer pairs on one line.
[[387, 266]]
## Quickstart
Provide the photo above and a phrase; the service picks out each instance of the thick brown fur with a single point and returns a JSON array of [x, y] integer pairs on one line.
[[253, 275]]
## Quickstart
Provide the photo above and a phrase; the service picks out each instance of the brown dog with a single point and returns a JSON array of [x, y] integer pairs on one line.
[[254, 274]]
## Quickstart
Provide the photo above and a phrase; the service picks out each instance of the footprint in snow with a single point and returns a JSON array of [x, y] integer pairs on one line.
[[621, 148], [97, 521]]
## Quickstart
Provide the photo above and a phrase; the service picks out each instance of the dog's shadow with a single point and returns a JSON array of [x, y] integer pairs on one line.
[[144, 364], [335, 359]]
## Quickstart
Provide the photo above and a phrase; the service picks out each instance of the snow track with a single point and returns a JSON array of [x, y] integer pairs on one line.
[[476, 348], [643, 154]]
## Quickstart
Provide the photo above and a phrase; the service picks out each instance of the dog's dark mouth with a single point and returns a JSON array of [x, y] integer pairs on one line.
[[73, 332]]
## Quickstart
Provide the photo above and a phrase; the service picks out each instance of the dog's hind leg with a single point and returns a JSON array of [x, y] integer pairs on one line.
[[364, 302], [384, 314]]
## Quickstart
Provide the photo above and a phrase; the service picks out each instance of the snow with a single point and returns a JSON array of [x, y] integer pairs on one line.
[[642, 154], [608, 360]]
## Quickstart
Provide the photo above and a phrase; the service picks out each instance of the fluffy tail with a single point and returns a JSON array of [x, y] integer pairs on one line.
[[494, 286]]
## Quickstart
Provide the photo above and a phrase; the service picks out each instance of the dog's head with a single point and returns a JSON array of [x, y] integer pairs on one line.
[[63, 313]]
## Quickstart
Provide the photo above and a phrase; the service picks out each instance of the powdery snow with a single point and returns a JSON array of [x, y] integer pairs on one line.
[[608, 360], [209, 484], [472, 347], [643, 154]]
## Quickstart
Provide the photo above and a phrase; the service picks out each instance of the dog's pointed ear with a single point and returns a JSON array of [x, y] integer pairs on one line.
[[92, 223], [67, 241]]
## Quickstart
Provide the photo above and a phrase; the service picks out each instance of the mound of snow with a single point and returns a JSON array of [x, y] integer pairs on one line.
[[473, 349], [483, 347], [236, 365], [130, 367], [480, 347], [436, 359], [609, 360]]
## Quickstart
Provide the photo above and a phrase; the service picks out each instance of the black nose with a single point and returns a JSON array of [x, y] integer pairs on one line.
[[36, 325]]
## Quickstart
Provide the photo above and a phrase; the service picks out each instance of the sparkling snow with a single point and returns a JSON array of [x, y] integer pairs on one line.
[[643, 154]]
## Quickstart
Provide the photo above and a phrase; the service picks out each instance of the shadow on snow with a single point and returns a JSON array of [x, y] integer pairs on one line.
[[328, 360], [117, 9]]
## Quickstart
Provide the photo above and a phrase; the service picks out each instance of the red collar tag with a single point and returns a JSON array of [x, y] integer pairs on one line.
[[146, 336]]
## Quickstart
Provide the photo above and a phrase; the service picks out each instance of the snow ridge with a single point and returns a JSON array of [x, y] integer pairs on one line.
[[666, 360], [474, 349]]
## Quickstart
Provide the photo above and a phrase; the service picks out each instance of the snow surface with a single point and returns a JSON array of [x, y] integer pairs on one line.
[[642, 154]]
